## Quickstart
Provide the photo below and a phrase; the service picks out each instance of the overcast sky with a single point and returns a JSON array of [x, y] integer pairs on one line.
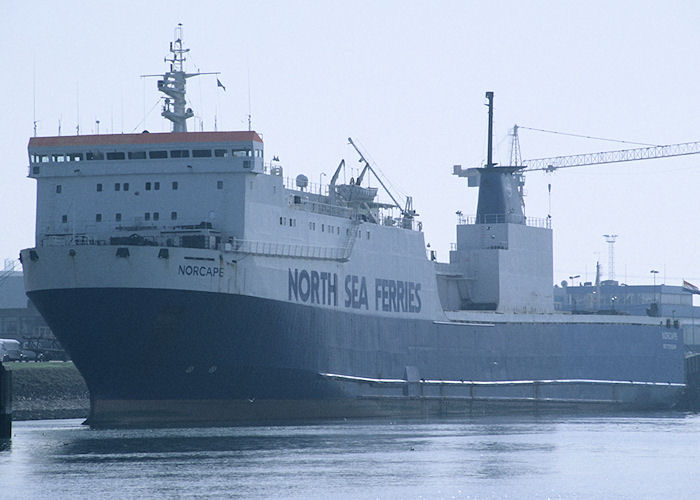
[[406, 79]]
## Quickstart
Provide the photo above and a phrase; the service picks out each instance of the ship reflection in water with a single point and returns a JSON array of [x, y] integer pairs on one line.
[[525, 457]]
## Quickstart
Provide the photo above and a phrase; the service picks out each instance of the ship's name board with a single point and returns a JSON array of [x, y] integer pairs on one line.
[[389, 295], [190, 270]]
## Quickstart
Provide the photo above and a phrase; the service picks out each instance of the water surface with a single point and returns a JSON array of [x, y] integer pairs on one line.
[[623, 456]]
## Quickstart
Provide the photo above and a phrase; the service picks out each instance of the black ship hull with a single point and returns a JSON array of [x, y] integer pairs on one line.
[[156, 356]]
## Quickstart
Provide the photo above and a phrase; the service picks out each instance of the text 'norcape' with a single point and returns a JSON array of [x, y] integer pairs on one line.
[[189, 270]]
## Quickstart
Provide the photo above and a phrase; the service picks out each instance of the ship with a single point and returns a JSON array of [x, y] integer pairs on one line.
[[192, 283]]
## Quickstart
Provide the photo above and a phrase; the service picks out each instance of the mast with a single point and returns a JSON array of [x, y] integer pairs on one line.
[[173, 85], [489, 158], [174, 82]]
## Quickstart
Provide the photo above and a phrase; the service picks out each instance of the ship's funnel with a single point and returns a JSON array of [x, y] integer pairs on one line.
[[499, 198]]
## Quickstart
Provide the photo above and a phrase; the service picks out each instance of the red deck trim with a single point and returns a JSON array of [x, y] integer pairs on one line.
[[156, 138]]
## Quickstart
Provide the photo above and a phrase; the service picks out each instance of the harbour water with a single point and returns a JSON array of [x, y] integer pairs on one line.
[[620, 456]]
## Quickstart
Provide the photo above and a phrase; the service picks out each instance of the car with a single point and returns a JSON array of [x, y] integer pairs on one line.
[[10, 350]]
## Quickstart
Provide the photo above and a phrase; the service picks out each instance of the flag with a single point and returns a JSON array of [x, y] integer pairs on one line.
[[689, 287], [219, 84]]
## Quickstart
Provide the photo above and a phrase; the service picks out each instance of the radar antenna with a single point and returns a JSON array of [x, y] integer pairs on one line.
[[173, 84]]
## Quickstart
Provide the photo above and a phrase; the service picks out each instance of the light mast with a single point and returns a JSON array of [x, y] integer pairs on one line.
[[173, 85]]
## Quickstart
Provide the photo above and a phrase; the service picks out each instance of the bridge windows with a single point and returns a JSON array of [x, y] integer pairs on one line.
[[241, 153], [137, 155], [154, 155], [116, 155]]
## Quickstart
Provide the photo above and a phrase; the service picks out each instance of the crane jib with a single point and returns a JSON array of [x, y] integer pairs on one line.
[[622, 155]]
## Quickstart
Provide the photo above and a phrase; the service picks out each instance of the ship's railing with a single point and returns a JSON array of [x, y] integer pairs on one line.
[[212, 242], [545, 223], [276, 249]]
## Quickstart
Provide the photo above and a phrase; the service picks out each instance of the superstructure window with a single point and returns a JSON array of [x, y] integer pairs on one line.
[[117, 186], [148, 186], [58, 188], [219, 184], [126, 186], [220, 153], [157, 154], [137, 155], [240, 153], [156, 186], [64, 218], [201, 153], [174, 185], [116, 156], [99, 188], [156, 215], [98, 217], [74, 156], [147, 216], [58, 158], [118, 217], [173, 215], [94, 155], [179, 153]]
